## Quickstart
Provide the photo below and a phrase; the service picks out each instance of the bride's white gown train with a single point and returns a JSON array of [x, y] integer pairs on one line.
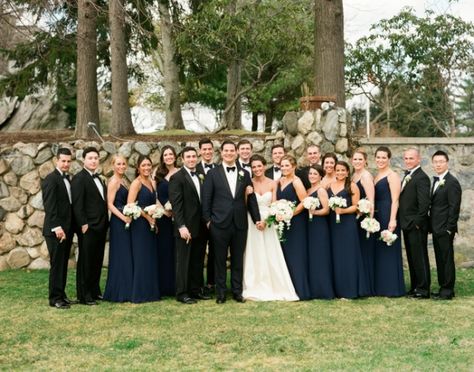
[[266, 276]]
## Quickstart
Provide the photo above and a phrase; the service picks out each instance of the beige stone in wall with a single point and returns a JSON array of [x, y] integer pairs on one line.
[[31, 182], [13, 223], [33, 252], [30, 237], [305, 122], [3, 263], [7, 242], [43, 250], [45, 169], [36, 219], [10, 178], [18, 257], [30, 149], [36, 201], [10, 204], [342, 145], [39, 264], [25, 211], [3, 166]]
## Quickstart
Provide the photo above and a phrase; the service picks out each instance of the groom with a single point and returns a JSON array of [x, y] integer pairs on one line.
[[225, 213]]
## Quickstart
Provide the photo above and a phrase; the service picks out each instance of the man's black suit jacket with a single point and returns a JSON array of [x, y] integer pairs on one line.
[[88, 206], [415, 201], [185, 202], [445, 206], [220, 207], [57, 207]]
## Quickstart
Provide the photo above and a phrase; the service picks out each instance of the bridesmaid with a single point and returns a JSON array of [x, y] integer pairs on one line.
[[294, 247], [118, 287], [349, 276], [388, 264], [365, 182], [319, 247], [329, 163], [143, 233], [165, 239]]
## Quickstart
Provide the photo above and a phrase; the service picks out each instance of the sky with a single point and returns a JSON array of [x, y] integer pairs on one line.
[[359, 15]]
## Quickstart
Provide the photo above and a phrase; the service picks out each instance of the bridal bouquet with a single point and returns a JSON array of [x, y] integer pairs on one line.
[[337, 202], [364, 206], [131, 210], [280, 213], [311, 203], [371, 225], [388, 237]]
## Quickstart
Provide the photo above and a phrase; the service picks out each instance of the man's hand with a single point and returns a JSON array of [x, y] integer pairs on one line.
[[185, 234], [84, 228], [260, 225], [60, 234]]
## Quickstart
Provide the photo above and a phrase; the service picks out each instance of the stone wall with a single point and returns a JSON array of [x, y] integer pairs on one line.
[[23, 166]]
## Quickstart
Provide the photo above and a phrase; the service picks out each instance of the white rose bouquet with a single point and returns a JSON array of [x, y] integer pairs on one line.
[[388, 237], [337, 202], [281, 213], [133, 211], [371, 225], [311, 203], [155, 210], [364, 206]]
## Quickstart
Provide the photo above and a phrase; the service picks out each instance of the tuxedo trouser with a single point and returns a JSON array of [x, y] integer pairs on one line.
[[223, 239], [59, 256], [189, 266], [416, 245], [444, 254], [89, 264]]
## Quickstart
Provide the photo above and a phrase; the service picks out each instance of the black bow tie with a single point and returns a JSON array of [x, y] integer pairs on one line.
[[193, 173], [276, 169], [95, 175], [66, 176], [210, 165], [230, 169], [435, 178], [407, 172], [247, 165]]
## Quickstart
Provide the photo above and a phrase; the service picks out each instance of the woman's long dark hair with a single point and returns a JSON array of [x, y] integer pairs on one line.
[[347, 182], [161, 170], [140, 160]]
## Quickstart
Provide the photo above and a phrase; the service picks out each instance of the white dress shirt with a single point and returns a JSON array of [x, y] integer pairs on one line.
[[196, 181], [231, 177], [98, 183]]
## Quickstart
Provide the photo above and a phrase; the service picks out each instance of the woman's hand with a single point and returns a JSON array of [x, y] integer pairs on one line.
[[392, 225]]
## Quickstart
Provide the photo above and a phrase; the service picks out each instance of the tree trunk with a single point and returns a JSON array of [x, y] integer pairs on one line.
[[329, 50], [121, 117], [87, 101], [174, 119], [233, 111], [269, 120], [254, 121]]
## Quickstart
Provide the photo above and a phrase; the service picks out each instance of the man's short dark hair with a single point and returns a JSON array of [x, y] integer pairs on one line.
[[63, 151], [228, 142], [187, 149], [440, 153], [278, 145], [88, 150], [244, 142], [205, 141]]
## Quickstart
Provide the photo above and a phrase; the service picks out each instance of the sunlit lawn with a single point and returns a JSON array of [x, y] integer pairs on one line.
[[376, 333]]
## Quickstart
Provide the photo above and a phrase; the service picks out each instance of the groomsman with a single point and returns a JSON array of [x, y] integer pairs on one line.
[[444, 215], [189, 229], [274, 172], [244, 152], [313, 156], [90, 210], [58, 228], [413, 212], [225, 212], [206, 151]]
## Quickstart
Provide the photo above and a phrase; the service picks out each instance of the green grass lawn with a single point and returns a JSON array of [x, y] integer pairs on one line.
[[375, 333]]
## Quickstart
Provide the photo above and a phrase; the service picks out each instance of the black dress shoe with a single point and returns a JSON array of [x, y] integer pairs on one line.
[[442, 298], [60, 305], [420, 296], [187, 300], [89, 302], [201, 296], [69, 301], [238, 298], [220, 300]]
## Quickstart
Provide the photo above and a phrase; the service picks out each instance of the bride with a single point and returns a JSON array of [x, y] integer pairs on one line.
[[266, 276]]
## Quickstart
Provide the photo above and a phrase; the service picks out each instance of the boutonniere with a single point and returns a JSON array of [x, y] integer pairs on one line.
[[241, 175], [201, 177], [441, 183], [407, 178]]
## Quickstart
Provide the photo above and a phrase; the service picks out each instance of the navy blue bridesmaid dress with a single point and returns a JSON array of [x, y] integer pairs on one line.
[[319, 257], [367, 247], [350, 280], [166, 247], [146, 286], [294, 246], [388, 264], [118, 287]]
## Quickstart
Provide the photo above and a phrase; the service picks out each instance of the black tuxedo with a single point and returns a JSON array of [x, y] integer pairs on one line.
[[240, 167], [270, 172], [444, 215], [227, 215], [210, 274], [58, 213], [186, 205], [91, 209], [413, 213], [302, 173]]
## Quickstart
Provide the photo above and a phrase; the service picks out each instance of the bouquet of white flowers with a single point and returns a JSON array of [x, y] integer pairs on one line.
[[155, 210], [364, 206], [388, 237], [131, 210], [337, 202], [371, 225], [281, 213], [311, 203], [168, 206]]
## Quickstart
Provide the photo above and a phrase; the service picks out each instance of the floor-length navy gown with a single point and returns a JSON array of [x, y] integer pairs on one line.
[[294, 246], [319, 257], [118, 287], [350, 280], [388, 264], [166, 247], [367, 246], [145, 254]]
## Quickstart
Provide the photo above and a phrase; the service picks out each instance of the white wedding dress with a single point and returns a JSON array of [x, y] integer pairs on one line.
[[266, 276]]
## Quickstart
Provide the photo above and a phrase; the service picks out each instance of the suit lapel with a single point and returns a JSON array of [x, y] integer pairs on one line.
[[222, 171], [93, 184], [191, 183]]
